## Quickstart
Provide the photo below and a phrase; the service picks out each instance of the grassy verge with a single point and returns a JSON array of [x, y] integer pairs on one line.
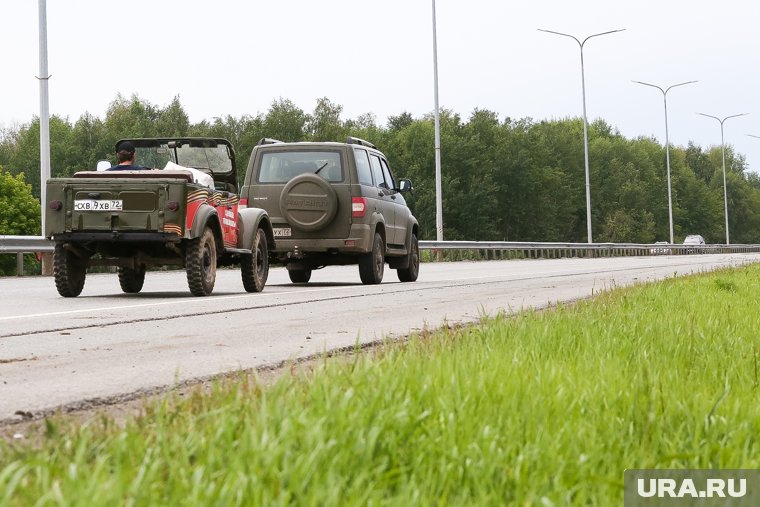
[[544, 408]]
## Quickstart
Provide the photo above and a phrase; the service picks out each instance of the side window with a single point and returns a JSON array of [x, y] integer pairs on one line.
[[377, 171], [363, 170], [388, 176]]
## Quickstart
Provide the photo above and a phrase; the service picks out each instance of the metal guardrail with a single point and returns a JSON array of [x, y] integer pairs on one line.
[[511, 249], [20, 245], [25, 244]]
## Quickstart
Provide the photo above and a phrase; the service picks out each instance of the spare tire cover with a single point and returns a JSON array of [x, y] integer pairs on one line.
[[308, 202]]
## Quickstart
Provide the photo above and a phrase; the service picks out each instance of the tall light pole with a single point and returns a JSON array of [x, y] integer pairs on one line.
[[667, 146], [585, 120], [723, 154], [44, 112], [438, 197]]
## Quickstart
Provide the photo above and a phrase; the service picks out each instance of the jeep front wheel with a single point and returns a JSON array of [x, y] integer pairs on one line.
[[372, 263], [132, 280], [69, 272], [254, 267], [200, 263]]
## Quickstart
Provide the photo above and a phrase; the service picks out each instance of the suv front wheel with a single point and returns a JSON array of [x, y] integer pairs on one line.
[[372, 263], [410, 273], [254, 267], [299, 275]]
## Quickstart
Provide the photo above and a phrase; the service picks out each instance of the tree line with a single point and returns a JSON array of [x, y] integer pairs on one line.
[[502, 179]]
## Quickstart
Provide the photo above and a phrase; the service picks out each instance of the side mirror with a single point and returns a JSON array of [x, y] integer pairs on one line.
[[405, 185], [103, 165]]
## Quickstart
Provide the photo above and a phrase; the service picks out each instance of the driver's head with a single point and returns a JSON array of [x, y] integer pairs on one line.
[[125, 151]]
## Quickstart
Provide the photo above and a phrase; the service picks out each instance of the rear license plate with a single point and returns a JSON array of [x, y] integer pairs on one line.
[[98, 205], [281, 232]]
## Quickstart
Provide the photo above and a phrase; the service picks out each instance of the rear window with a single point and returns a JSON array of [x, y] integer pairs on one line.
[[362, 167], [281, 167]]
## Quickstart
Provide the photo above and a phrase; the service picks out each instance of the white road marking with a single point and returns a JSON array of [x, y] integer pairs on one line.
[[163, 303]]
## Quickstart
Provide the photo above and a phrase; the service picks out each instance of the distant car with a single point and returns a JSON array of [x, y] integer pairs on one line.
[[660, 248], [695, 242]]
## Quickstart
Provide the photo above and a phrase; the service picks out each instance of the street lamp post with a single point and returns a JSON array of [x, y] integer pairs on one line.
[[667, 146], [723, 154], [438, 190], [585, 120]]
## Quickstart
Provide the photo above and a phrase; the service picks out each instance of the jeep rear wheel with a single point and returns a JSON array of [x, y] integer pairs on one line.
[[299, 275], [410, 273], [254, 267], [371, 264], [200, 263], [132, 280], [69, 272]]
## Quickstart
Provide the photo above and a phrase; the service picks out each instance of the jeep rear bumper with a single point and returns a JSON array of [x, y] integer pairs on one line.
[[116, 237]]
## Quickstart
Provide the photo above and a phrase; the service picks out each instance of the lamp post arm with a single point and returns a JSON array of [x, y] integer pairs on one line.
[[713, 117], [680, 84], [649, 84], [603, 33], [562, 34], [734, 116]]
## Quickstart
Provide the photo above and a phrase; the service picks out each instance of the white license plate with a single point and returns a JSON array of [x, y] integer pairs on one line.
[[281, 232], [98, 205]]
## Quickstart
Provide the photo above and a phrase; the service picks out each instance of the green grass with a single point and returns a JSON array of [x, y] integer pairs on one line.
[[543, 408]]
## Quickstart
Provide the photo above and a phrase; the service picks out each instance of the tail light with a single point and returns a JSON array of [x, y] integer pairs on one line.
[[358, 207], [172, 205], [55, 205], [243, 203]]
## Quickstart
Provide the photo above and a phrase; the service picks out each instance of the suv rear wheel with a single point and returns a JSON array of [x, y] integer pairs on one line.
[[372, 263]]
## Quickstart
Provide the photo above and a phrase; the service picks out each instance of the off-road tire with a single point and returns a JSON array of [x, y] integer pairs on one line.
[[69, 272], [299, 275], [131, 280], [412, 271], [254, 267], [372, 264], [200, 263]]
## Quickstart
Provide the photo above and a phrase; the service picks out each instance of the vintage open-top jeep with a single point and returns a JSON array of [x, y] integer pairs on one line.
[[185, 212]]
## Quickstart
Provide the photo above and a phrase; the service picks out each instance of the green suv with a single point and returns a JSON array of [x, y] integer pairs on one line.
[[333, 204]]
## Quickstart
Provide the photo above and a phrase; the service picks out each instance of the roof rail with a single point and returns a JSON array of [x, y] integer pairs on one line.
[[361, 142], [267, 140]]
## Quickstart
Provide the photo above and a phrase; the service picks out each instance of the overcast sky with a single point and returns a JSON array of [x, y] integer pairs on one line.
[[236, 57]]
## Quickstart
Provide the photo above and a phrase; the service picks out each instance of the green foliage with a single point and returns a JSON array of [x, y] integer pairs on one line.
[[540, 408], [285, 121], [515, 180], [19, 216], [19, 210]]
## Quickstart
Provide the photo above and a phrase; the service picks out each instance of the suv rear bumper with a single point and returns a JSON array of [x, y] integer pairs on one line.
[[357, 242]]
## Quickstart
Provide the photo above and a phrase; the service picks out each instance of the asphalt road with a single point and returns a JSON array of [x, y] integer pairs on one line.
[[105, 345]]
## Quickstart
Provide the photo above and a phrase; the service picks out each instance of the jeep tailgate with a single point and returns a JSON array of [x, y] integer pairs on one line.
[[124, 205]]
